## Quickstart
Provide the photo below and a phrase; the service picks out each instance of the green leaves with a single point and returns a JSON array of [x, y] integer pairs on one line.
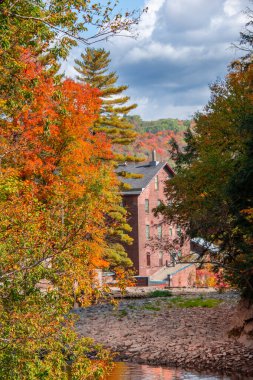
[[93, 70], [214, 177]]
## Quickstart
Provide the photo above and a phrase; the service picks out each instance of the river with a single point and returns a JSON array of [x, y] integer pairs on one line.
[[129, 371]]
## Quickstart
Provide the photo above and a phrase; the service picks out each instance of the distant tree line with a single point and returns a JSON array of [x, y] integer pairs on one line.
[[154, 126]]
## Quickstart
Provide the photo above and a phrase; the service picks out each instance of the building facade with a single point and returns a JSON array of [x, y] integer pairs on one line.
[[156, 245]]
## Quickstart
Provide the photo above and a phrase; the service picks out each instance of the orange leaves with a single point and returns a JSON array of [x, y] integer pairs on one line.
[[50, 139], [66, 183], [57, 193], [82, 103]]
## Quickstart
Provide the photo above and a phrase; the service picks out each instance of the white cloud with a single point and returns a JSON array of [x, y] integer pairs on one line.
[[232, 7], [149, 19], [183, 46], [183, 107]]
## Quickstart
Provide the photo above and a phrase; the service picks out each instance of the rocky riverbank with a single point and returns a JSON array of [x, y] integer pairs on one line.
[[174, 332]]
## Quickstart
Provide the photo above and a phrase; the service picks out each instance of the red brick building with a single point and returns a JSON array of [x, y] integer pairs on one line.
[[150, 234]]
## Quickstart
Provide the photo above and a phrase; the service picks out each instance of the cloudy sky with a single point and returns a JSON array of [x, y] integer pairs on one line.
[[183, 46]]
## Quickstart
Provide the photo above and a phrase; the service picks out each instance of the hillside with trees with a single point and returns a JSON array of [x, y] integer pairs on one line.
[[154, 134], [159, 125]]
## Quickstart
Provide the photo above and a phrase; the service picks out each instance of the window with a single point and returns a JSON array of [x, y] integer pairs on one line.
[[160, 259], [173, 257], [147, 231], [170, 231], [146, 205], [159, 203], [179, 231], [179, 254], [148, 260], [156, 182], [159, 231]]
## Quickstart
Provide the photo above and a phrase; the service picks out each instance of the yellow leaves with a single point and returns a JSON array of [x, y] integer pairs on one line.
[[2, 104], [126, 186], [56, 190], [130, 175], [59, 204]]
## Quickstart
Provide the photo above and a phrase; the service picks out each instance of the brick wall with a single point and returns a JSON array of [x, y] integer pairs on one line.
[[140, 218], [155, 246], [131, 205], [148, 218], [184, 278]]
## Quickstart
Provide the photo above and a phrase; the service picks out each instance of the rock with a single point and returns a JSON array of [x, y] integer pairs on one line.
[[241, 327], [191, 338]]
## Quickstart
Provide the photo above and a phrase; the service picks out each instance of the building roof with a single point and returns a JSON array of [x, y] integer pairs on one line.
[[205, 245], [148, 171]]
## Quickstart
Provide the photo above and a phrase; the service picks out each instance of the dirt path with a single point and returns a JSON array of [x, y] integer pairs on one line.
[[159, 332]]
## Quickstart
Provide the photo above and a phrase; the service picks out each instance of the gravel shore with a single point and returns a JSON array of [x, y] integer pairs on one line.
[[159, 332]]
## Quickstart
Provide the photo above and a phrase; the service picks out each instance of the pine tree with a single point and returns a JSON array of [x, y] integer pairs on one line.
[[93, 69]]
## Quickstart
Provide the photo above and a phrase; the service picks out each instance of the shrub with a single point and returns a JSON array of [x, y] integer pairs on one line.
[[159, 293]]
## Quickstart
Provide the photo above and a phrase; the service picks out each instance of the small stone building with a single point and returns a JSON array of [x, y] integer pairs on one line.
[[152, 260]]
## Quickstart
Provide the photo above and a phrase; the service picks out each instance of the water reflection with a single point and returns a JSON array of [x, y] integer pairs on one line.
[[129, 371]]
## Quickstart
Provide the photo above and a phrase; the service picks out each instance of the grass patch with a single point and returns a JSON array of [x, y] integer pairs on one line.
[[159, 293], [132, 307], [122, 313], [151, 307], [195, 302]]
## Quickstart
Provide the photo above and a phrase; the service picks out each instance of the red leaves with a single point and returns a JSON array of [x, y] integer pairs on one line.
[[158, 141]]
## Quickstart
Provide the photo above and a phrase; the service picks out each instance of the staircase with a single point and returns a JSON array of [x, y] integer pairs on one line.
[[162, 274]]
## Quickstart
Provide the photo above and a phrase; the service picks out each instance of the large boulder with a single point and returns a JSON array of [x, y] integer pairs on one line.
[[242, 323]]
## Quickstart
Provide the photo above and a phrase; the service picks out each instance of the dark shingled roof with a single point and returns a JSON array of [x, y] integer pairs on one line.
[[148, 170]]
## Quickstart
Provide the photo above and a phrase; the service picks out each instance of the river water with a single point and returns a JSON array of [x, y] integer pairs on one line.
[[129, 371]]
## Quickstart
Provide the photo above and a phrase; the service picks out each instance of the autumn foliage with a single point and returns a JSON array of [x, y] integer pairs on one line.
[[58, 194], [211, 195], [57, 188]]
